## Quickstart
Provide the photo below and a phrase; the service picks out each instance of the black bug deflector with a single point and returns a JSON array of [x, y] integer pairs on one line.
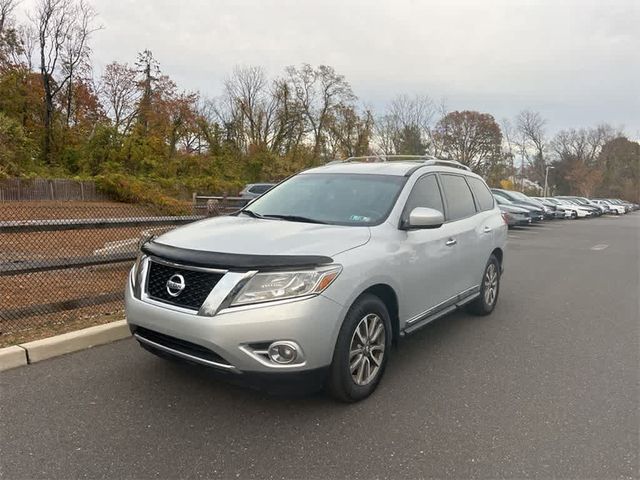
[[231, 261]]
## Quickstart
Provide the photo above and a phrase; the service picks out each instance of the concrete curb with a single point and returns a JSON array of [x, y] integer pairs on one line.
[[32, 352], [12, 357]]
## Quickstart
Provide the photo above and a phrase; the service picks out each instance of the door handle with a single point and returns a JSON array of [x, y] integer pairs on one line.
[[487, 229], [451, 242]]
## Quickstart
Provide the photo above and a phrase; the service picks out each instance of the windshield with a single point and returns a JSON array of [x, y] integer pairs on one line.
[[338, 199]]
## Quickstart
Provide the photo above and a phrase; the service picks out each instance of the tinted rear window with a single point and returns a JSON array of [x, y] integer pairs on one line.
[[481, 192], [459, 199]]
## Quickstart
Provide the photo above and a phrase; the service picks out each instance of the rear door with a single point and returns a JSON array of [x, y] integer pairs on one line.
[[488, 223], [463, 225]]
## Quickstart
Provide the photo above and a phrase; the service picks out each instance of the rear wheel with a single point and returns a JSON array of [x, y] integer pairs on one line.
[[361, 352], [489, 289]]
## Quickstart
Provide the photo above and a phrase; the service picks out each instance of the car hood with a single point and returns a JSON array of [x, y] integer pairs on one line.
[[253, 236], [528, 206], [571, 206], [513, 209]]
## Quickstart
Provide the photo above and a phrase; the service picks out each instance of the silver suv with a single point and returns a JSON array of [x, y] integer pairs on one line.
[[313, 282]]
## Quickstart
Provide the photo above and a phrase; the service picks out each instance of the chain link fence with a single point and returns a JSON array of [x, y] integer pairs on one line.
[[64, 262]]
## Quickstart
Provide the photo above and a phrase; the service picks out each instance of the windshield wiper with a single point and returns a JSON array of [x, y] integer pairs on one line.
[[295, 218], [251, 213]]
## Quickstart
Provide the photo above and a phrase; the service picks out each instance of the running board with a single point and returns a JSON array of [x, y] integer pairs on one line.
[[440, 313]]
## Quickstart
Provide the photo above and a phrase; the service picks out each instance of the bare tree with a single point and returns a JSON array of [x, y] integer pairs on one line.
[[76, 51], [288, 125], [386, 132], [64, 28], [509, 135], [577, 154], [119, 88], [583, 144], [405, 128], [149, 73], [413, 111], [10, 45], [6, 10], [251, 109], [28, 42], [349, 132], [531, 127], [319, 91]]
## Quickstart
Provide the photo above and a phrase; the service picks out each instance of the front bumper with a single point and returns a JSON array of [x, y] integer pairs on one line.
[[312, 323], [520, 220]]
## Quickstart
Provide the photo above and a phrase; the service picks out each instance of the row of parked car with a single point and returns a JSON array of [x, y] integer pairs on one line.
[[520, 209]]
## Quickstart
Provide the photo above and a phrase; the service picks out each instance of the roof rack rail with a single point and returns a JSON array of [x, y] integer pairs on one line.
[[389, 158], [448, 163], [423, 159]]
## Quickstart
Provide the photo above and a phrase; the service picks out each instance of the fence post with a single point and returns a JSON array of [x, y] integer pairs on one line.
[[82, 190], [51, 188]]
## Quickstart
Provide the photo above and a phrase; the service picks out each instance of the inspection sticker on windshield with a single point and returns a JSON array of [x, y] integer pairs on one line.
[[359, 218]]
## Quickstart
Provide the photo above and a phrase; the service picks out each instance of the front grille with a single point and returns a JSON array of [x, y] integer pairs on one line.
[[197, 285], [180, 345]]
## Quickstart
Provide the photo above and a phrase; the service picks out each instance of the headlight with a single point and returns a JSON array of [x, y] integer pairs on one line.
[[264, 287]]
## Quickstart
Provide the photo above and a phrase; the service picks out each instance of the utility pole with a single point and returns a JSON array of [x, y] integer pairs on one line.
[[546, 179]]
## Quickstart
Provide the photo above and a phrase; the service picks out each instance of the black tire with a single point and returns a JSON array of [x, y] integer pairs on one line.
[[486, 302], [340, 383]]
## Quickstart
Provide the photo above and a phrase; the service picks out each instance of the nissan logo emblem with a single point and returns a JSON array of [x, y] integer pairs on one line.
[[175, 285]]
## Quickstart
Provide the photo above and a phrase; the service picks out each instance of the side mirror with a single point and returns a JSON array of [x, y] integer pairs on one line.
[[421, 217]]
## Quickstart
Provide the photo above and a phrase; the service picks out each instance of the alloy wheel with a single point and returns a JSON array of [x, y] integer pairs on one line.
[[490, 284], [366, 350]]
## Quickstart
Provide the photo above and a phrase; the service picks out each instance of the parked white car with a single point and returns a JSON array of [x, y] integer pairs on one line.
[[618, 209], [575, 210]]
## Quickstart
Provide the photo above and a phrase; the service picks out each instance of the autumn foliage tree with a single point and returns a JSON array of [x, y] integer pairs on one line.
[[471, 138], [131, 126]]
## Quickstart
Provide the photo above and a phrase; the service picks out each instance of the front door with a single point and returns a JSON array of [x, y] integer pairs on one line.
[[427, 255]]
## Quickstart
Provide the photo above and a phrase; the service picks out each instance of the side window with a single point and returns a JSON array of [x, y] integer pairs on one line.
[[425, 193], [459, 199], [482, 193]]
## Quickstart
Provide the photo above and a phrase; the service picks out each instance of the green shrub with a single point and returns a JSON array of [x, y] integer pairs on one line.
[[129, 189], [16, 149]]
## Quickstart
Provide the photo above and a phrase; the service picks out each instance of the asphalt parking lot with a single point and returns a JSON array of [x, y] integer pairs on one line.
[[547, 386]]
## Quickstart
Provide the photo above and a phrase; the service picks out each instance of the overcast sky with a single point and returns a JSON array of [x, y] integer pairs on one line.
[[575, 61]]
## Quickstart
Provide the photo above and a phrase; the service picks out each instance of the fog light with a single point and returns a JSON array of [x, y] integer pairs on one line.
[[283, 352]]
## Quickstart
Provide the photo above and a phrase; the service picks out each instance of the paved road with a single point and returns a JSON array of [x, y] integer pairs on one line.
[[545, 387]]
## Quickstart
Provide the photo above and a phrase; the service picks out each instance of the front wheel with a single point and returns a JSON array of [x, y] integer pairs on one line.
[[489, 289], [361, 352]]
